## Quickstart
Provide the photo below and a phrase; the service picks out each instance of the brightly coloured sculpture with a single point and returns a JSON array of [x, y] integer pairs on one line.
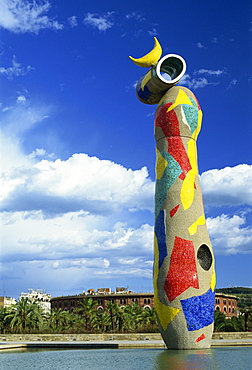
[[184, 275]]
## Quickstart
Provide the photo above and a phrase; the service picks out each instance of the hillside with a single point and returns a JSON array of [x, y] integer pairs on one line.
[[244, 295]]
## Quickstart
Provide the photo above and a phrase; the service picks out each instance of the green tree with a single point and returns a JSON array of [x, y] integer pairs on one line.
[[150, 316], [25, 316], [3, 322], [88, 312], [57, 320], [224, 324], [112, 309], [102, 321], [219, 321], [237, 323], [246, 312], [137, 315]]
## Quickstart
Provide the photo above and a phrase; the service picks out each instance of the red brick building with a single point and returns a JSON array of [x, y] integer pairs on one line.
[[122, 297], [224, 303]]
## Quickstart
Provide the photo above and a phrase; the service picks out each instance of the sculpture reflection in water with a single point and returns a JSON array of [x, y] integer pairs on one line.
[[184, 275], [202, 359]]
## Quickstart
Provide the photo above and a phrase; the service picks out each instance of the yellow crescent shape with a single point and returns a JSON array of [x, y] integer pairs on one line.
[[151, 58]]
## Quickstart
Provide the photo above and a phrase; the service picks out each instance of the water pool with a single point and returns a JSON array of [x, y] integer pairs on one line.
[[225, 358]]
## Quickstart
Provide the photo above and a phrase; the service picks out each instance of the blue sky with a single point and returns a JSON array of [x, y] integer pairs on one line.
[[77, 147]]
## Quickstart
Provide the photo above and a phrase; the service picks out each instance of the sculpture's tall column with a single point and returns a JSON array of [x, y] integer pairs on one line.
[[184, 276]]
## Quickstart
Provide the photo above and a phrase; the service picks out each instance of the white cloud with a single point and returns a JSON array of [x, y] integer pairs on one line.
[[21, 99], [73, 21], [74, 236], [153, 32], [126, 261], [229, 234], [200, 46], [10, 153], [232, 83], [102, 22], [74, 222], [40, 152], [228, 186], [135, 16], [15, 70], [86, 197], [17, 120], [195, 83], [217, 72], [20, 16], [76, 246], [20, 118], [81, 182]]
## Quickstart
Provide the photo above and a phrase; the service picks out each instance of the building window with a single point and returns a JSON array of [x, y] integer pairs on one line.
[[225, 309], [217, 308], [134, 300], [122, 301], [224, 301]]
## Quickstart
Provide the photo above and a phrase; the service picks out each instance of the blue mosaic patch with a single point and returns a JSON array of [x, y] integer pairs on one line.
[[171, 173], [191, 114], [161, 237], [145, 93], [199, 311]]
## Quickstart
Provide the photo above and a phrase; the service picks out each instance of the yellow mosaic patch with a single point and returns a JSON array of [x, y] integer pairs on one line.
[[213, 281], [146, 79], [187, 188], [196, 132], [181, 98], [193, 228], [165, 314], [161, 164]]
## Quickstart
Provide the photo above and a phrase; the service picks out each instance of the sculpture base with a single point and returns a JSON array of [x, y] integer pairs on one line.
[[177, 338]]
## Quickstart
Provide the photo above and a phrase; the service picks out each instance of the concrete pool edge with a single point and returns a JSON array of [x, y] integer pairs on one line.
[[111, 344]]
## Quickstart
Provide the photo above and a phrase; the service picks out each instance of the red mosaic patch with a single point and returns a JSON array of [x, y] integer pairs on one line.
[[201, 337], [174, 210], [182, 272]]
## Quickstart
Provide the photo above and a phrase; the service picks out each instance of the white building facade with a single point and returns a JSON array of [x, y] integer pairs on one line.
[[40, 296]]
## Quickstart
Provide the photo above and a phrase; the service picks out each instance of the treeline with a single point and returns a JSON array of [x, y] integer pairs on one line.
[[234, 324], [28, 317], [235, 290], [244, 295]]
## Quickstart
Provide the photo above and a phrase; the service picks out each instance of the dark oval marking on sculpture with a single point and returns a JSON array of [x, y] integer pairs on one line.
[[204, 257]]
